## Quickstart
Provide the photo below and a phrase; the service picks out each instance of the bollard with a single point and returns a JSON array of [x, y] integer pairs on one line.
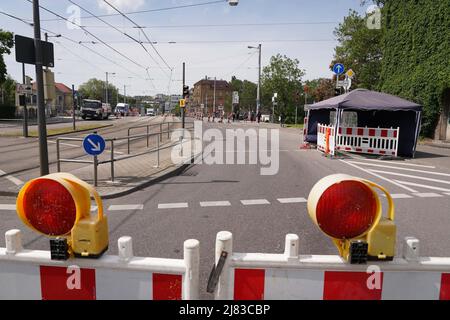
[[13, 239], [192, 277], [125, 245], [291, 246], [224, 242], [411, 249]]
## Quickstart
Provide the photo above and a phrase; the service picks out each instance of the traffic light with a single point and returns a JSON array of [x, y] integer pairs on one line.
[[58, 206], [185, 91], [349, 210]]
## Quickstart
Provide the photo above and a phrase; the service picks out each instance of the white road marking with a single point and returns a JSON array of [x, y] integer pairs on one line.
[[215, 204], [428, 195], [397, 168], [254, 202], [380, 177], [65, 144], [411, 176], [11, 207], [291, 200], [14, 180], [422, 186], [399, 163], [399, 196], [117, 207], [173, 205]]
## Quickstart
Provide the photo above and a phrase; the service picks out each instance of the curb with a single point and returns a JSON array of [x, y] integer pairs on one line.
[[436, 145], [61, 134], [146, 184]]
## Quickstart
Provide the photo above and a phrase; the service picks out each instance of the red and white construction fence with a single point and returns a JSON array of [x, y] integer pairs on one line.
[[257, 276], [379, 141], [325, 138], [31, 274]]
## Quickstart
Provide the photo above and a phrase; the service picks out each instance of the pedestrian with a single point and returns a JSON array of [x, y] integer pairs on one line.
[[259, 116]]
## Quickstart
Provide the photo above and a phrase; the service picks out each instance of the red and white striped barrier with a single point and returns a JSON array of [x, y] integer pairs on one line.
[[257, 276], [379, 141], [31, 274], [325, 138]]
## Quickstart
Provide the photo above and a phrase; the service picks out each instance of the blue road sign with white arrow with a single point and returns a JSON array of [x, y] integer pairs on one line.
[[94, 144], [338, 68]]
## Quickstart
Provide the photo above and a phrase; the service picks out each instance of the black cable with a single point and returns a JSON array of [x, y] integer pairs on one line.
[[91, 34], [154, 10], [148, 39], [115, 28]]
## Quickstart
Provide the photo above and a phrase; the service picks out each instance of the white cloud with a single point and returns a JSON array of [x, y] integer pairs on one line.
[[125, 5]]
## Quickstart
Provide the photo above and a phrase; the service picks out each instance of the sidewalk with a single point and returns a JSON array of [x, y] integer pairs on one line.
[[436, 143], [132, 174]]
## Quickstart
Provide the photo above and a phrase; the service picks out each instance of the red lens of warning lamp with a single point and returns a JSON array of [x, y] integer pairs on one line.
[[349, 210], [58, 206], [49, 207], [346, 210]]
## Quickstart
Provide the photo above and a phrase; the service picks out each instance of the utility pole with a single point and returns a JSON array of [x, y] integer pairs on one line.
[[214, 105], [73, 107], [258, 94], [124, 93], [25, 111], [43, 150], [183, 111], [106, 98]]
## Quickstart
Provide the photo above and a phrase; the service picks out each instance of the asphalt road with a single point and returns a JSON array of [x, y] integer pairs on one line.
[[207, 199]]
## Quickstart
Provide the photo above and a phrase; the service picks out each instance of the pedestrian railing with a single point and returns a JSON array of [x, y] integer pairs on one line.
[[113, 142]]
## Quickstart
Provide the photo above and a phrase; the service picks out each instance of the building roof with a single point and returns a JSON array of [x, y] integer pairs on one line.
[[363, 99], [61, 87], [219, 83]]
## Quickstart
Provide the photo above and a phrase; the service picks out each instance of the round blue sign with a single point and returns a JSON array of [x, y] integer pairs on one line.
[[338, 68], [94, 144]]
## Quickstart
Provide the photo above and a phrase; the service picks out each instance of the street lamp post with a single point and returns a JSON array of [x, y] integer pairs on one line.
[[258, 93], [274, 103], [106, 98]]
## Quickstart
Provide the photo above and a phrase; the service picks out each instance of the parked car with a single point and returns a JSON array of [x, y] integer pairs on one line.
[[122, 109], [150, 112], [95, 109]]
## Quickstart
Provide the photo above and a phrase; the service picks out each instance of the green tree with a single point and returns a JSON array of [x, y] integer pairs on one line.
[[96, 89], [283, 76], [8, 90], [247, 93], [360, 49], [324, 89], [6, 43]]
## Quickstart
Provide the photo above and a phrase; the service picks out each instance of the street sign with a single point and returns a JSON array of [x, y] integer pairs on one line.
[[235, 97], [26, 53], [338, 68], [347, 83], [350, 73], [24, 88], [94, 144], [182, 103]]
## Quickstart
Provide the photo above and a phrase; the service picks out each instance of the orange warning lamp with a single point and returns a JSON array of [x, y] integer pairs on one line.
[[349, 210], [58, 206]]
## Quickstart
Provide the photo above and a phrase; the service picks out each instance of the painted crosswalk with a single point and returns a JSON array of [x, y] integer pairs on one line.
[[419, 180]]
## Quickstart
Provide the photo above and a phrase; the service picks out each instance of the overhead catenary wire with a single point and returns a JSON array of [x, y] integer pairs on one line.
[[91, 34], [75, 42], [115, 28], [153, 10], [142, 30]]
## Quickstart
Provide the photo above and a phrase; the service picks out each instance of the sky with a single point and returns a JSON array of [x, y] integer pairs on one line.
[[212, 39]]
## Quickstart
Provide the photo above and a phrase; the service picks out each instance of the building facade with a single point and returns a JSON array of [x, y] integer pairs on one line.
[[206, 92]]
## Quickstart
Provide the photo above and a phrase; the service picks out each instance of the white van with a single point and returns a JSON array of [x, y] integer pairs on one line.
[[150, 112]]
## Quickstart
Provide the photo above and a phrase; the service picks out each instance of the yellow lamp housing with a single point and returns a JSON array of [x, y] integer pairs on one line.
[[58, 206], [349, 211]]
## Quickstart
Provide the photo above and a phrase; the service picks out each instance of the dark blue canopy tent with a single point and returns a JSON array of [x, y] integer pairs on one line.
[[374, 109]]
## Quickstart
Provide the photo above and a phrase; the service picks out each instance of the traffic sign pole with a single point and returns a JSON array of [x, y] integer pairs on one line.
[[43, 150], [183, 113], [25, 111]]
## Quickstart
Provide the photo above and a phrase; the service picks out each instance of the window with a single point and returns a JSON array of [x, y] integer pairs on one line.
[[349, 118]]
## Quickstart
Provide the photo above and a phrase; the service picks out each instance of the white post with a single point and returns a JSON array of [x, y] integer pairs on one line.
[[191, 278], [13, 241], [291, 246], [411, 249], [125, 245], [224, 242]]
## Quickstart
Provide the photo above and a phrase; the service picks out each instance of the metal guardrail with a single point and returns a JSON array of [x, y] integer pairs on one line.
[[112, 142]]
